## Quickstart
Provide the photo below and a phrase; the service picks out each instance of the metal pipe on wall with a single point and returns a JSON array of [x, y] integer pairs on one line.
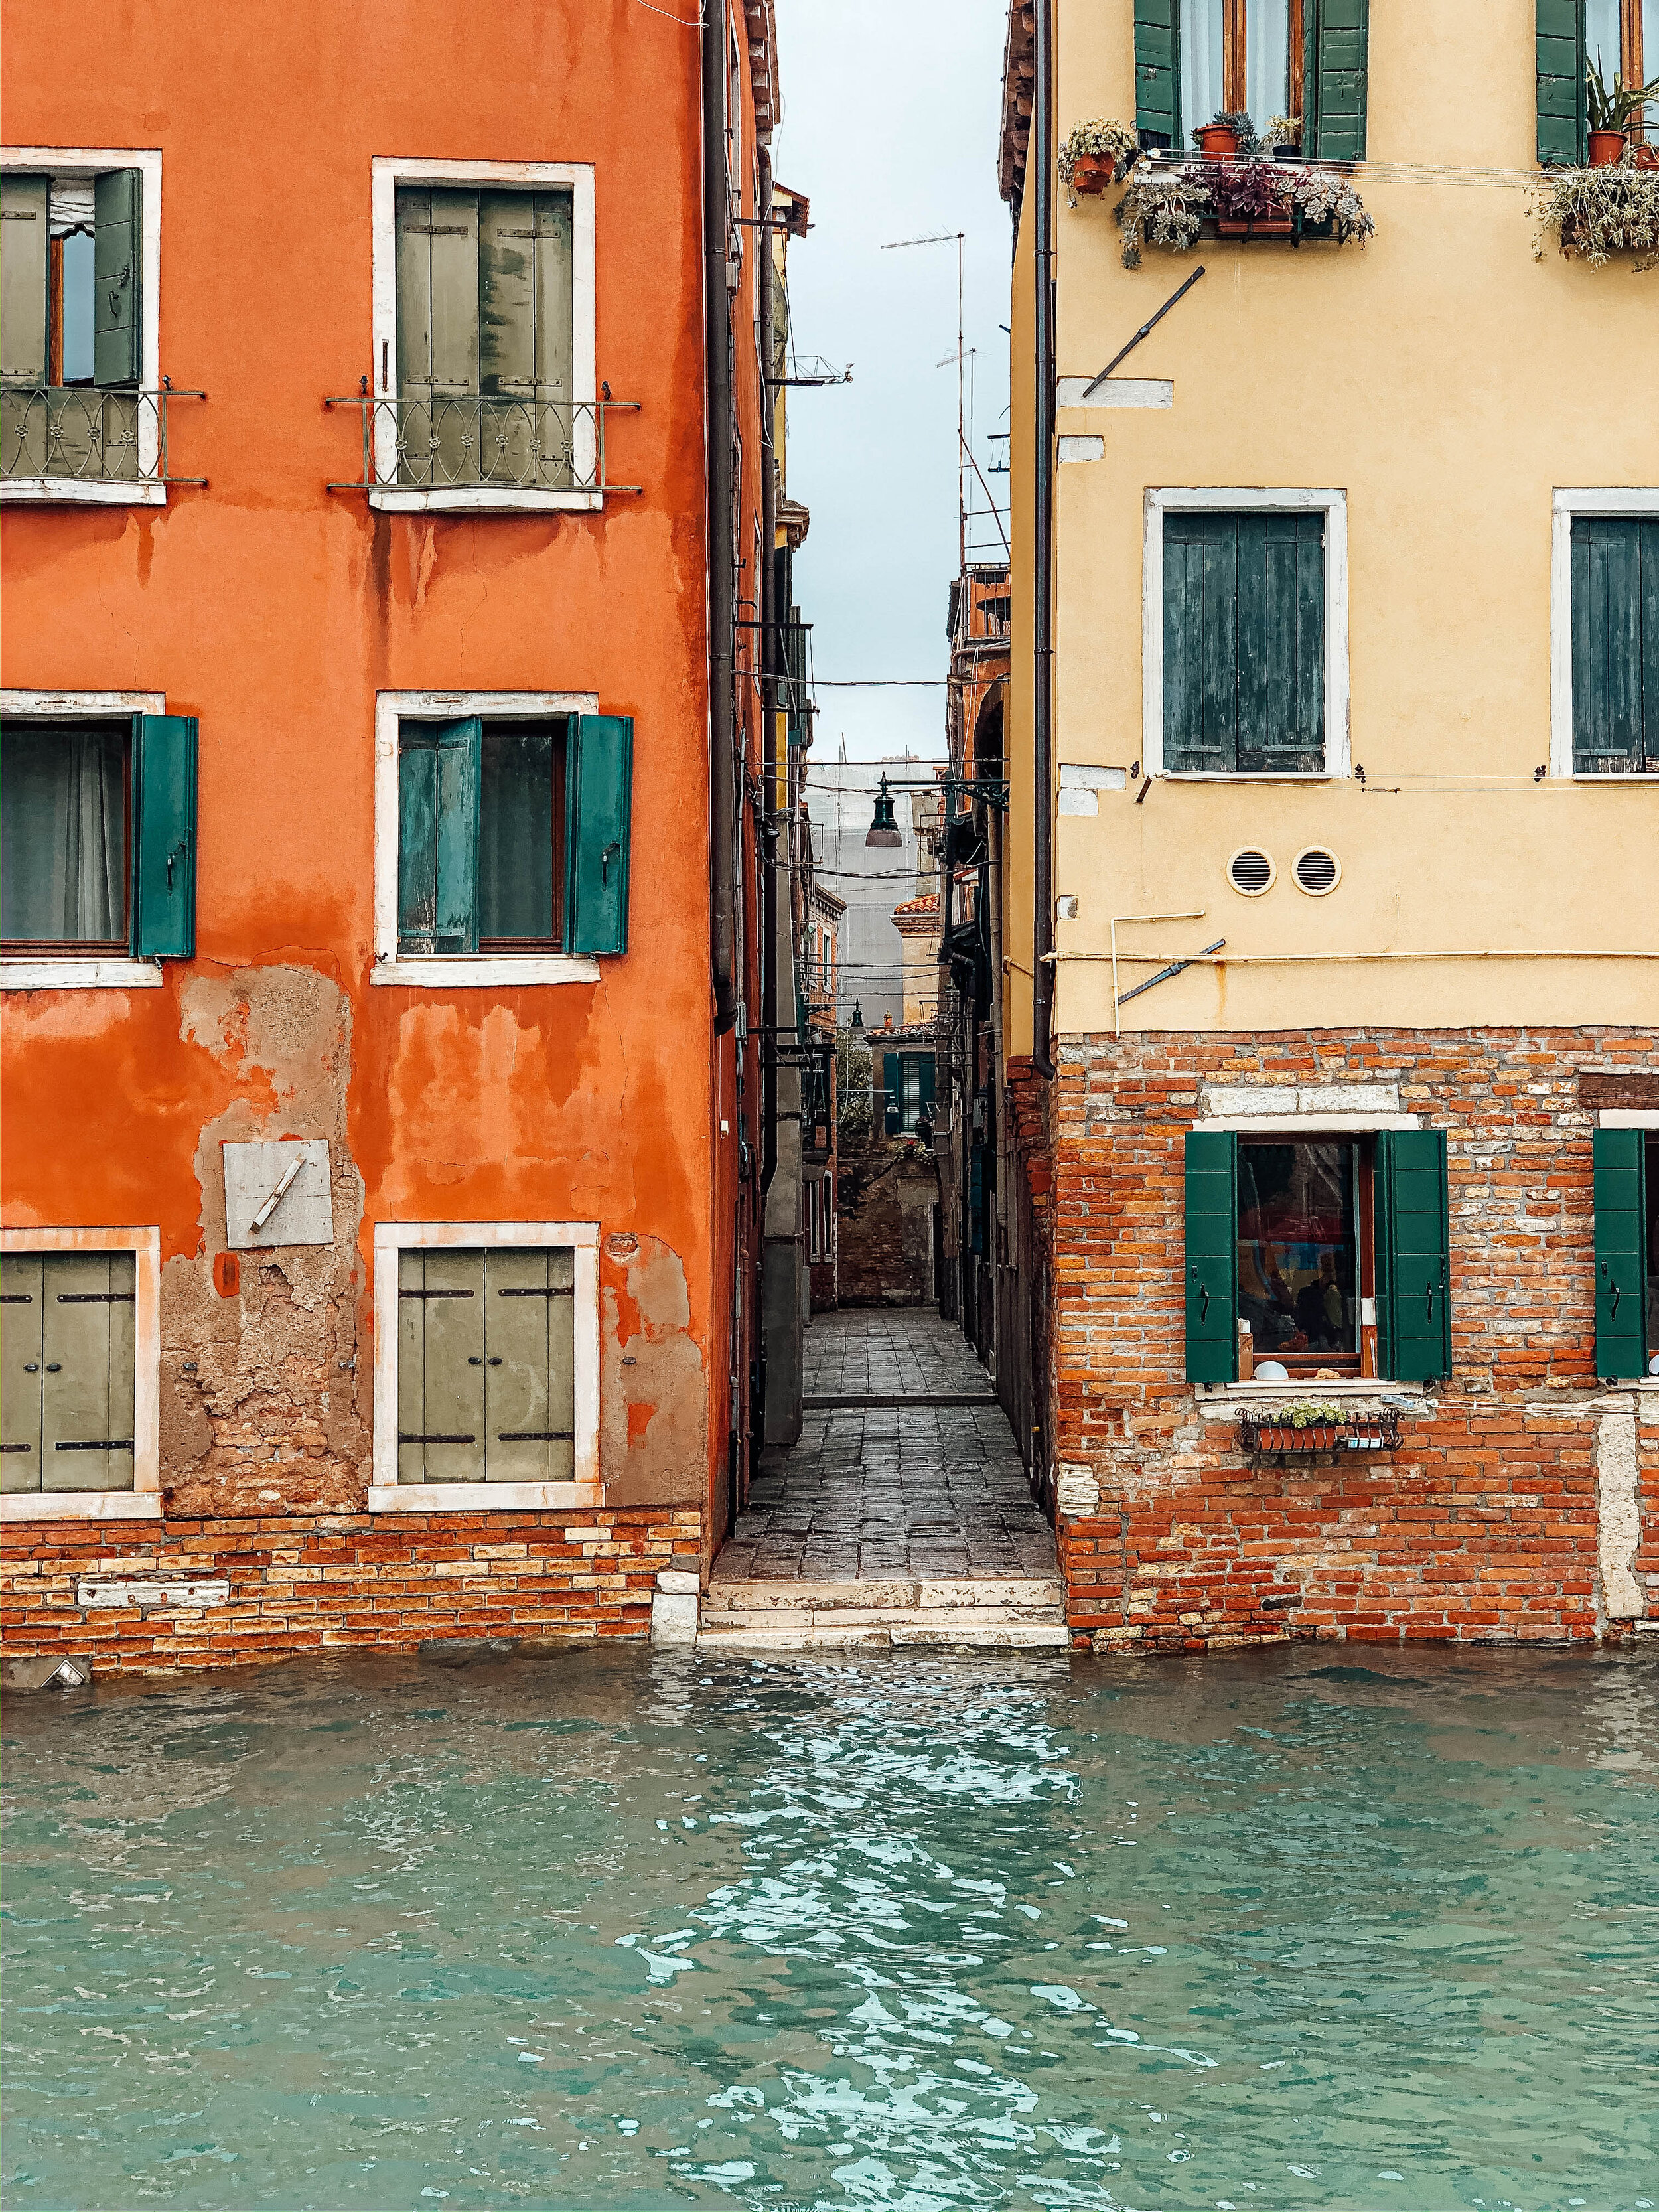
[[1042, 172], [717, 340]]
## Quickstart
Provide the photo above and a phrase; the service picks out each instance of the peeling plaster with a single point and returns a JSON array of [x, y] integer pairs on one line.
[[1619, 1517], [654, 1394]]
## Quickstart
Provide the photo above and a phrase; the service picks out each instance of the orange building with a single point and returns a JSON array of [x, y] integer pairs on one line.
[[379, 794]]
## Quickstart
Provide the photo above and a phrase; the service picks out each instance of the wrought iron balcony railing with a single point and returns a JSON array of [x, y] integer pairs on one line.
[[472, 442], [55, 435]]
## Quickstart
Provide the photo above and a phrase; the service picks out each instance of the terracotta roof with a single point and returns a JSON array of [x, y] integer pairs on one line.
[[928, 903], [761, 25], [1016, 74]]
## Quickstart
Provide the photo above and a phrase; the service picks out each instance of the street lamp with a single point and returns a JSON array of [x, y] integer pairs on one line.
[[883, 828]]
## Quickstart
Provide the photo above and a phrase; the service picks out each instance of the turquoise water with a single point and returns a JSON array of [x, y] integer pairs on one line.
[[632, 1930]]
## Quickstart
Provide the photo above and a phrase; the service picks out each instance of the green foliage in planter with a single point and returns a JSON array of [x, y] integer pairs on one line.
[[1308, 1414], [1614, 107], [1161, 207], [1324, 196], [1238, 122], [1598, 212], [1168, 207]]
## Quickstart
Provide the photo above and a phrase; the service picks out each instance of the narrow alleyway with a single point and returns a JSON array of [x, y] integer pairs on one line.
[[902, 1516]]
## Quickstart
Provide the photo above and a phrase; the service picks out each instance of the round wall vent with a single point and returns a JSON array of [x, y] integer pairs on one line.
[[1251, 870], [1316, 871]]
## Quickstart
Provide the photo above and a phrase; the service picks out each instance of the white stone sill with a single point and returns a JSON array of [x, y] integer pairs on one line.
[[82, 1505], [1353, 1390], [1636, 775], [492, 971], [75, 491], [1306, 1125], [481, 1497], [484, 499], [1264, 775], [70, 974]]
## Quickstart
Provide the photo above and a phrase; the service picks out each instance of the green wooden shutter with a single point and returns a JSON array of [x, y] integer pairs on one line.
[[1336, 36], [1413, 1257], [1281, 643], [555, 341], [1621, 1259], [440, 770], [163, 903], [1158, 71], [88, 1404], [1615, 659], [1562, 116], [1200, 641], [438, 335], [598, 805], [116, 238], [25, 229], [23, 1289], [1211, 1256]]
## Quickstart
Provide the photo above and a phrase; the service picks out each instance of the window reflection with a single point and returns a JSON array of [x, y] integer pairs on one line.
[[1299, 1249]]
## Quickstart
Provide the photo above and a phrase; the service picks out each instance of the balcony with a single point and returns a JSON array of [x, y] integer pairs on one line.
[[79, 446], [473, 451]]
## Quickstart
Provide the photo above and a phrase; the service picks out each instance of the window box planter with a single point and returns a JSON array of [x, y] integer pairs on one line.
[[1266, 226], [1269, 1435]]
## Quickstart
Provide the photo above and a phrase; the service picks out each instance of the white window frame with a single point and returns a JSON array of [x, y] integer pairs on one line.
[[82, 162], [450, 971], [386, 1494], [1333, 504], [1567, 505], [66, 971], [144, 1501], [386, 174]]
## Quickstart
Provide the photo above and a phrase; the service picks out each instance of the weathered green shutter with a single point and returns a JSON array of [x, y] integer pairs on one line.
[[1158, 71], [1615, 643], [506, 335], [1200, 641], [440, 769], [1621, 1259], [1211, 1256], [1336, 36], [438, 338], [1244, 643], [440, 1366], [117, 239], [22, 1283], [1414, 1255], [87, 1402], [163, 900], [599, 803], [24, 229], [1563, 118], [555, 347]]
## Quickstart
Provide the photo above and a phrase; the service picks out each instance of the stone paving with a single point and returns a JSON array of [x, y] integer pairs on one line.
[[928, 1492]]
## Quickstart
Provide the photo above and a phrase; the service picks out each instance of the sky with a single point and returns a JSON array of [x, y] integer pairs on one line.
[[890, 112]]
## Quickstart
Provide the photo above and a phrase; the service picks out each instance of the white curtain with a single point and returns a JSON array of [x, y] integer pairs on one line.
[[1651, 60], [1266, 59], [1201, 80], [63, 834]]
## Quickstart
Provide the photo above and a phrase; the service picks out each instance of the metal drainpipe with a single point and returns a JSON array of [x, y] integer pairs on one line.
[[774, 919], [717, 338], [1041, 173]]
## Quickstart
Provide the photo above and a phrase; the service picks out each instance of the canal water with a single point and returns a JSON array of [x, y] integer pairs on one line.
[[1319, 1928]]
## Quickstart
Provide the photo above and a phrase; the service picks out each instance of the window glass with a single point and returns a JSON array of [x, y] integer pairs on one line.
[[76, 307], [519, 813], [1299, 1248], [1650, 59], [1601, 50], [63, 834], [1202, 51], [1267, 60]]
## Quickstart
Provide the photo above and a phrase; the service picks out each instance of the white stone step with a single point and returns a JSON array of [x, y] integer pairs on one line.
[[982, 1632], [1023, 1592]]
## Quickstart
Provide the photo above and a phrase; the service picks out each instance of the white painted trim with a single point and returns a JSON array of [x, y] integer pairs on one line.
[[1347, 1386], [88, 161], [1277, 499], [69, 971], [385, 174], [1088, 445], [1626, 1117], [1308, 1125], [1136, 391], [1565, 506], [78, 491], [143, 1500], [450, 971], [391, 1237]]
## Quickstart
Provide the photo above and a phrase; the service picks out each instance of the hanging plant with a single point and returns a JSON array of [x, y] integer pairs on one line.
[[1168, 207], [1598, 212], [1163, 207], [1096, 154], [1322, 196]]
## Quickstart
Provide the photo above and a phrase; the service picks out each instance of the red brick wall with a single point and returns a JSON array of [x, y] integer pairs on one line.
[[386, 1581], [1485, 1523]]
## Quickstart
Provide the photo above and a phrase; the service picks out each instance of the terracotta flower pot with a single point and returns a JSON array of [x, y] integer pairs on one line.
[[1607, 149], [1647, 157], [1260, 226], [1216, 142], [1093, 173]]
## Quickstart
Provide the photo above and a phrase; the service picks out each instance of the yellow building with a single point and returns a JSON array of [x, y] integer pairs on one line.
[[1345, 699]]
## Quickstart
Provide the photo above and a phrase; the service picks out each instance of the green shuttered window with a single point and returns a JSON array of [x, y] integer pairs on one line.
[[1158, 71], [1194, 58], [67, 1339], [487, 1365], [1333, 81], [1615, 645], [1413, 1257], [1626, 1194], [1244, 643], [514, 835], [1211, 1265], [1562, 119]]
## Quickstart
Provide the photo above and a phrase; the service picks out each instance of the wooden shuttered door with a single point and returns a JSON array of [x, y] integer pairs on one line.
[[486, 1365], [1414, 1255], [117, 239], [437, 337], [1211, 1258], [1158, 71], [67, 1370], [1244, 643], [1335, 61], [1622, 1349], [164, 774], [440, 770], [598, 805], [1562, 112], [1615, 644]]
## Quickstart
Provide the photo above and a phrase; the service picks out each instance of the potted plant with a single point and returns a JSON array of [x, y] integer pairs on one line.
[[1283, 136], [1096, 154], [1226, 135], [1612, 109], [1306, 1425], [1248, 199]]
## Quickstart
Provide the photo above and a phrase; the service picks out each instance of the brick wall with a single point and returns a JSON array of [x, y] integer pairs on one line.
[[884, 1200], [387, 1582], [1488, 1523]]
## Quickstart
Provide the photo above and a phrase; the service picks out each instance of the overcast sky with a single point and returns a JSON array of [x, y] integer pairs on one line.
[[890, 127]]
